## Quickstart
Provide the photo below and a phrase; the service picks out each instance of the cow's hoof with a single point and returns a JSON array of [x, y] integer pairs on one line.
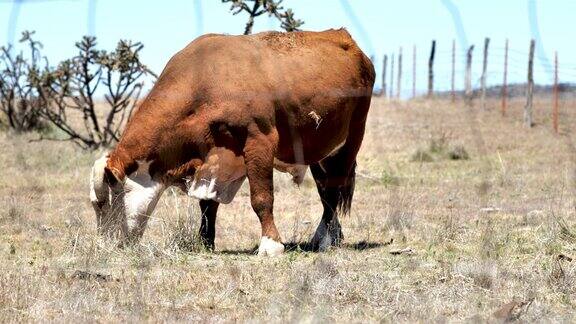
[[269, 247], [321, 244], [327, 237]]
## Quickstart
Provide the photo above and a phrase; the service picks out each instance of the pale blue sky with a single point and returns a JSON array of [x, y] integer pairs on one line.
[[379, 26]]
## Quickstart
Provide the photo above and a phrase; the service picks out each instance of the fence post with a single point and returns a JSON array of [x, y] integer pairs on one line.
[[399, 83], [453, 92], [391, 95], [530, 87], [556, 94], [484, 71], [468, 77], [384, 66], [414, 72], [505, 81], [431, 70]]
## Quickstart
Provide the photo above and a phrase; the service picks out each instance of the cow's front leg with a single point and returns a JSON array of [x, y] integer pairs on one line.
[[259, 157], [209, 208]]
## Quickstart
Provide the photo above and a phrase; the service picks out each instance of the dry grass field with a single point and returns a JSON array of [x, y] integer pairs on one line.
[[432, 236]]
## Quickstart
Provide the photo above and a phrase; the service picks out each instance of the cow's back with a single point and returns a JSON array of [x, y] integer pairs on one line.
[[277, 62]]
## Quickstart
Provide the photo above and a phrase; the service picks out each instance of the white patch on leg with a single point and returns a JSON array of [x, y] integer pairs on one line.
[[269, 247]]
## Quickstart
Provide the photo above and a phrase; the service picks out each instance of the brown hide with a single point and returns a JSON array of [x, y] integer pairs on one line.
[[302, 86]]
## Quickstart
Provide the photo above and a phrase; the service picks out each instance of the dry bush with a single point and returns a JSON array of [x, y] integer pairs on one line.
[[439, 148], [256, 8], [70, 89], [20, 102], [35, 95]]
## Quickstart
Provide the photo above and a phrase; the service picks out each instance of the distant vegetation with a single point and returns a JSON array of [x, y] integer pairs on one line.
[[256, 8], [35, 95]]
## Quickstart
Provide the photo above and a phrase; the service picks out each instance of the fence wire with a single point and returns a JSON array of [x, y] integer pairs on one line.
[[517, 57]]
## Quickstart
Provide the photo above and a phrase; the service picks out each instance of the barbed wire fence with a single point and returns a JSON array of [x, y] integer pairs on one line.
[[493, 71], [444, 66]]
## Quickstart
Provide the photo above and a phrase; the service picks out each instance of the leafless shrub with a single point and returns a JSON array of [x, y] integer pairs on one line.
[[33, 93], [19, 100], [256, 8], [69, 90]]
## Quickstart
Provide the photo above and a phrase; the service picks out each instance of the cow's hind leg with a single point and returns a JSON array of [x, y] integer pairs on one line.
[[335, 184], [335, 178], [209, 208]]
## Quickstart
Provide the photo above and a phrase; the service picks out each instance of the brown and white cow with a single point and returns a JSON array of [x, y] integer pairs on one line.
[[227, 108]]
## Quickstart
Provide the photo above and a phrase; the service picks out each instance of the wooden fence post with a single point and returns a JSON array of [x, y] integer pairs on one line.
[[528, 119], [468, 77], [399, 83], [384, 66], [431, 70], [505, 82], [556, 94], [391, 95], [414, 72], [453, 92], [484, 71]]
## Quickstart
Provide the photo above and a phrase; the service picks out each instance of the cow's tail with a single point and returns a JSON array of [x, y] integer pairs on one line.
[[348, 154], [346, 192], [335, 177]]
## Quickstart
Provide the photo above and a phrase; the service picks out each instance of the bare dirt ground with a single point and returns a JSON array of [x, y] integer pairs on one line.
[[486, 238]]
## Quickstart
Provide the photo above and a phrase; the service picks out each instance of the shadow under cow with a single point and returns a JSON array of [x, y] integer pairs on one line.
[[308, 247]]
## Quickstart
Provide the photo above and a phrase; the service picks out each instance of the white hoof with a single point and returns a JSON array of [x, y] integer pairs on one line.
[[269, 247]]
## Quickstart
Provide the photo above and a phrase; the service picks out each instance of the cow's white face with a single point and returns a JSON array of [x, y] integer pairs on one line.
[[122, 209]]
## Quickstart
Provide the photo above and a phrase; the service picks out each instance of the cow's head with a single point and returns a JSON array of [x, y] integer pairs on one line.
[[123, 202], [124, 197]]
